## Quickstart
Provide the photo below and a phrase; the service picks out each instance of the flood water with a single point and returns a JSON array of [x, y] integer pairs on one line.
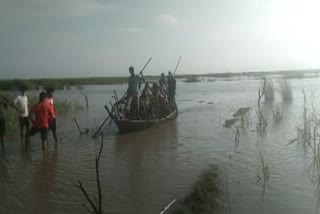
[[142, 172]]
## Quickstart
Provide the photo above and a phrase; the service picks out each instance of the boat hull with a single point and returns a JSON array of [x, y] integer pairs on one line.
[[126, 125]]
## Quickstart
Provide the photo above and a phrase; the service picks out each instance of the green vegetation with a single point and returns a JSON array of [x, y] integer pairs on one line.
[[31, 84], [64, 106], [262, 121], [265, 170], [205, 196], [285, 90], [269, 91], [11, 120], [308, 136], [277, 114]]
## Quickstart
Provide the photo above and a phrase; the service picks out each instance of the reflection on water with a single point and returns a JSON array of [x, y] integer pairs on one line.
[[42, 183], [142, 172]]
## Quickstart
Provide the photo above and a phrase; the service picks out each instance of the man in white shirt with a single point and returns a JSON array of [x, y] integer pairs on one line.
[[20, 103]]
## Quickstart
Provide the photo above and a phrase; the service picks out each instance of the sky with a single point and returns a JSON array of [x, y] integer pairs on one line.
[[81, 38]]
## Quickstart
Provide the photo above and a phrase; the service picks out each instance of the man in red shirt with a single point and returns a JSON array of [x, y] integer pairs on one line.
[[53, 124], [40, 115]]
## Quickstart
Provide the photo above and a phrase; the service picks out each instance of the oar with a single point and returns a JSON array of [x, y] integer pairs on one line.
[[141, 72], [168, 206], [110, 115], [93, 136], [145, 65], [175, 70]]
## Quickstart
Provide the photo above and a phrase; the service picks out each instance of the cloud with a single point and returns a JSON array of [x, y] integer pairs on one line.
[[51, 8], [167, 20]]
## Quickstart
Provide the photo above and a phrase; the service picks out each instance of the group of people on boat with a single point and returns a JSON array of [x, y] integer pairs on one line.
[[42, 116], [155, 100]]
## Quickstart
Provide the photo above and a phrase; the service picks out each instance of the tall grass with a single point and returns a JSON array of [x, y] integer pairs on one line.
[[308, 136], [265, 170], [269, 91], [285, 90], [277, 114], [65, 106], [262, 121]]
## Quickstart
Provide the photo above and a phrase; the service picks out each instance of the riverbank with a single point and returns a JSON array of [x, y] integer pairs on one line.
[[67, 83]]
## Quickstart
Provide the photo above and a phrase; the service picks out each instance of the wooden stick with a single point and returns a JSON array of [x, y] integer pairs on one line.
[[81, 132], [168, 206], [97, 206], [86, 98], [80, 186], [175, 70], [110, 113], [98, 177], [145, 65], [100, 127]]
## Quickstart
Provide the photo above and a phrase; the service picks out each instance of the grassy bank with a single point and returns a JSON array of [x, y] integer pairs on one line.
[[31, 84]]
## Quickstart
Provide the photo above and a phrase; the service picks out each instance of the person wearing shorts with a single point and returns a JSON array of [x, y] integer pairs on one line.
[[20, 103], [41, 116], [53, 124]]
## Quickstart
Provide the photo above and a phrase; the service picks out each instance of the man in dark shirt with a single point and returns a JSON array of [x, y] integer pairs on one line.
[[163, 83], [133, 89], [171, 88]]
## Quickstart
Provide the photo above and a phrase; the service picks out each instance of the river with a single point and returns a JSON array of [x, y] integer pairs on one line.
[[142, 172]]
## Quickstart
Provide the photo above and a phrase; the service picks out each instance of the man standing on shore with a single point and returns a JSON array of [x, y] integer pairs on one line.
[[20, 103]]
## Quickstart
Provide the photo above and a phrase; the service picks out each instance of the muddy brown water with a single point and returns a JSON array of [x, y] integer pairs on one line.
[[142, 172]]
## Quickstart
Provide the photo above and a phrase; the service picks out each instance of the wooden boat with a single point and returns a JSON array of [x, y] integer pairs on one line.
[[128, 125], [118, 111], [118, 114]]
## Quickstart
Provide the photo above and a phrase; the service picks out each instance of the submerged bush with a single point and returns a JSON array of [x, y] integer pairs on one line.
[[285, 90], [205, 196], [269, 91]]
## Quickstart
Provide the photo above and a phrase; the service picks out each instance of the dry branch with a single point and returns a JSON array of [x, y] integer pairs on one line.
[[77, 125], [97, 206]]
